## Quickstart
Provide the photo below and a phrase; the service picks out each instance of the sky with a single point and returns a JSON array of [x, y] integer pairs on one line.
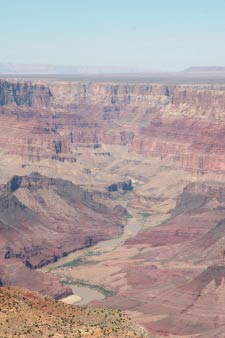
[[166, 35]]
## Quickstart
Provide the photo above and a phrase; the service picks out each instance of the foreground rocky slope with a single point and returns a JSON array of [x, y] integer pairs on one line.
[[38, 316]]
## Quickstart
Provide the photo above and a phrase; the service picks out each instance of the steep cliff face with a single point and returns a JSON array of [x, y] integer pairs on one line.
[[207, 98], [183, 123], [108, 93], [24, 94], [206, 102]]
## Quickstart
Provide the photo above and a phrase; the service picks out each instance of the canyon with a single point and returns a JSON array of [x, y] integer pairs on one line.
[[120, 187]]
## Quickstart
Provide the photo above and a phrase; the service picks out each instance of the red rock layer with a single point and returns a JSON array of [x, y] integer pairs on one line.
[[185, 123], [13, 272], [42, 219], [176, 281], [50, 218]]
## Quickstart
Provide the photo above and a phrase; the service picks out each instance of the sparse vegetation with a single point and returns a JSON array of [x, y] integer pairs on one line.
[[76, 262], [145, 214], [79, 282], [38, 316]]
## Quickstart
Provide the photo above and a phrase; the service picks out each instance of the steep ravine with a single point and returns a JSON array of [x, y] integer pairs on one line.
[[43, 219], [87, 291]]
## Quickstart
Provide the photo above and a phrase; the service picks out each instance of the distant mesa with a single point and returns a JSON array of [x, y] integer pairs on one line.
[[205, 69]]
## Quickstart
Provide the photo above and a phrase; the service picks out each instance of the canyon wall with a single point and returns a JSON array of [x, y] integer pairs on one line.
[[183, 123], [24, 94]]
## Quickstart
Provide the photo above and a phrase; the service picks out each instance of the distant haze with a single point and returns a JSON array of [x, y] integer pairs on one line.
[[194, 74], [39, 69]]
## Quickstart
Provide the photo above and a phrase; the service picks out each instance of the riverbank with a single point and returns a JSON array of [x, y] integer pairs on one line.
[[83, 291]]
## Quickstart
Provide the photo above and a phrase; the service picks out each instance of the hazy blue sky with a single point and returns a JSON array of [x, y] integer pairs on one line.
[[166, 34]]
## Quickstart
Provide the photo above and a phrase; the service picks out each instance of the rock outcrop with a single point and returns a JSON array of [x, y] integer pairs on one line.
[[24, 94], [120, 186], [42, 219]]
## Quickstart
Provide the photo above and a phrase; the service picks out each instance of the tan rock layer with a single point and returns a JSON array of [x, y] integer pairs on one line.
[[184, 123]]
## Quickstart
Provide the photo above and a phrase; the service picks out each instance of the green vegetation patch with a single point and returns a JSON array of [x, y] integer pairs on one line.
[[76, 262], [145, 214], [80, 282]]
